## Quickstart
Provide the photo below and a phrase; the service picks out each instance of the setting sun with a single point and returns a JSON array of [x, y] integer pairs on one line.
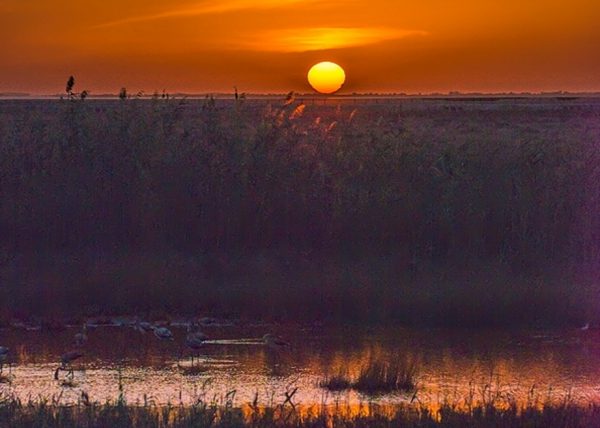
[[326, 77]]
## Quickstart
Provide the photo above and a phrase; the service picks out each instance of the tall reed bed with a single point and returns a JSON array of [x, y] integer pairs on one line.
[[216, 189]]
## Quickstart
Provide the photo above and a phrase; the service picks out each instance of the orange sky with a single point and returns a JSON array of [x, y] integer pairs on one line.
[[269, 45]]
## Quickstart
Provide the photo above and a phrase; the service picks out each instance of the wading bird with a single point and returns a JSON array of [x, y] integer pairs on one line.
[[81, 337], [274, 342], [194, 340], [65, 363], [3, 357], [163, 333], [142, 326], [146, 326]]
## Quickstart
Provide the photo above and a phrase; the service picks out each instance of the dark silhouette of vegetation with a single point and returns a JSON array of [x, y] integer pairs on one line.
[[369, 212], [14, 413], [377, 377], [73, 95], [337, 382], [70, 84]]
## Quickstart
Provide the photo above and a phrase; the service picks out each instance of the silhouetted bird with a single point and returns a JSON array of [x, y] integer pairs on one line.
[[194, 340], [65, 363]]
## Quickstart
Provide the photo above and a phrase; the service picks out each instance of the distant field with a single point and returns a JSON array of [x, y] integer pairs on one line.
[[424, 211]]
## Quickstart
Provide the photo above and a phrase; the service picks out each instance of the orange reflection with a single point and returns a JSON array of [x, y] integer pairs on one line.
[[492, 370]]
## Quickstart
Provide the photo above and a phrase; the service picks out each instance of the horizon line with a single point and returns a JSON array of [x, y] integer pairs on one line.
[[144, 95]]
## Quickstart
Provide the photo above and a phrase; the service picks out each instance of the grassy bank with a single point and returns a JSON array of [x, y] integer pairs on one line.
[[364, 212]]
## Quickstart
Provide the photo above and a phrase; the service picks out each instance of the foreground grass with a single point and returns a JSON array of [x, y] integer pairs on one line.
[[15, 414]]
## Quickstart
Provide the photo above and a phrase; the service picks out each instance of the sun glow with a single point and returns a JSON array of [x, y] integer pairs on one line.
[[326, 77]]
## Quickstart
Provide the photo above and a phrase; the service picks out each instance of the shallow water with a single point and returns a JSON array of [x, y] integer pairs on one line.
[[454, 365]]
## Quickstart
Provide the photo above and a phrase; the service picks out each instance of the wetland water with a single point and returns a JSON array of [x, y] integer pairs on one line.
[[453, 364]]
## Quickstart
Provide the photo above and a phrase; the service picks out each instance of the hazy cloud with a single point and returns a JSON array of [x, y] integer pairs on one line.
[[208, 7], [314, 39]]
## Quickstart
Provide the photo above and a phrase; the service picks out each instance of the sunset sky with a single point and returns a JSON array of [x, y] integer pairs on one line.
[[268, 45]]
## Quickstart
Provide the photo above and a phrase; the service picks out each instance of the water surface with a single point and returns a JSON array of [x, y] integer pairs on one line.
[[454, 365]]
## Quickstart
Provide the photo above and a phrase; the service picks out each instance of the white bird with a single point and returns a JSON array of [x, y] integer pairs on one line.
[[3, 356], [146, 326], [81, 337], [163, 333], [275, 342], [194, 340], [585, 327], [208, 321], [142, 326], [65, 363]]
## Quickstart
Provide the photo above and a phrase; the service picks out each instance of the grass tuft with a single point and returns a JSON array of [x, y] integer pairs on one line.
[[377, 377], [337, 382]]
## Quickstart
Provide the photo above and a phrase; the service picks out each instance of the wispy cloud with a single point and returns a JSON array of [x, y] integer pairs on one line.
[[322, 38], [207, 7]]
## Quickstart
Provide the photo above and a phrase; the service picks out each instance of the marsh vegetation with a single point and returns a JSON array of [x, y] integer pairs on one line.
[[421, 212], [17, 414], [376, 377]]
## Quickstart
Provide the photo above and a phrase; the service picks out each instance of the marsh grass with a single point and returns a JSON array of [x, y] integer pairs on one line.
[[378, 376], [425, 216], [17, 414], [337, 382]]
